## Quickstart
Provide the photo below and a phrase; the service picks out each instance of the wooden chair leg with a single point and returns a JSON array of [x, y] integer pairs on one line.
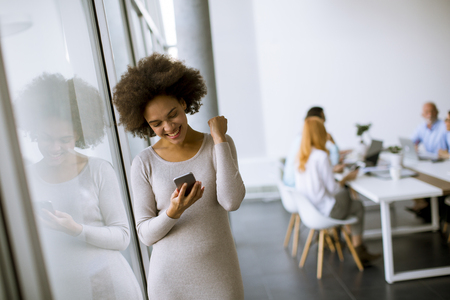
[[320, 256], [329, 242], [338, 244], [444, 228], [296, 233], [352, 250], [289, 230], [306, 249], [347, 229]]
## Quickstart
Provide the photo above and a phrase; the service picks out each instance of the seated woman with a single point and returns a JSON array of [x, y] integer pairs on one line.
[[315, 180]]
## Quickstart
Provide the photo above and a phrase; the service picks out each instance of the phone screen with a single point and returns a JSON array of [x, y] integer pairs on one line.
[[186, 178], [45, 205]]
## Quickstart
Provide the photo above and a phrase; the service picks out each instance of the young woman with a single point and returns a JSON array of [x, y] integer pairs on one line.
[[193, 255], [81, 217], [315, 180]]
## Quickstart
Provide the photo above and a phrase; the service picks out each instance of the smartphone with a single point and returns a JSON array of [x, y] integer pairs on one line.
[[355, 167], [186, 178], [45, 205]]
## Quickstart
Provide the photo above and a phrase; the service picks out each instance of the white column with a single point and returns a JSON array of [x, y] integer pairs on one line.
[[195, 48]]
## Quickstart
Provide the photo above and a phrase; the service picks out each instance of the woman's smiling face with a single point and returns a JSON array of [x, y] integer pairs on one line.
[[56, 140], [166, 116]]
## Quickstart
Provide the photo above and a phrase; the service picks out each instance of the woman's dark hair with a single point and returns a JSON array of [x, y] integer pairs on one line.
[[72, 100], [155, 75], [315, 111]]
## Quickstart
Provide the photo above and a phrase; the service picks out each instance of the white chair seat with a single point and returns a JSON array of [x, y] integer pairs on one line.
[[314, 220]]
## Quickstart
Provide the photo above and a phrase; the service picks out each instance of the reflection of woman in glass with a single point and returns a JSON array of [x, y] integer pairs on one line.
[[84, 220], [193, 256]]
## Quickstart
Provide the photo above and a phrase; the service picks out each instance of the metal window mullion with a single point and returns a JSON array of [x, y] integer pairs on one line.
[[148, 19], [9, 285], [145, 35], [128, 10], [121, 139], [16, 205]]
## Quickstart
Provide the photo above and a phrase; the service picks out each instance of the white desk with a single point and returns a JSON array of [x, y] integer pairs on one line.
[[385, 192], [439, 170]]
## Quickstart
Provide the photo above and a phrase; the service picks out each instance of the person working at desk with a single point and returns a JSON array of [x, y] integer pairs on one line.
[[431, 134], [335, 154], [445, 152], [315, 180]]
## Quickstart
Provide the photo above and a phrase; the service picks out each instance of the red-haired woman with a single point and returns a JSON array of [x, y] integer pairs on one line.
[[315, 180]]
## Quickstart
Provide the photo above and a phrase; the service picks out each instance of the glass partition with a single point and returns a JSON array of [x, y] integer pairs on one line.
[[123, 55], [68, 143]]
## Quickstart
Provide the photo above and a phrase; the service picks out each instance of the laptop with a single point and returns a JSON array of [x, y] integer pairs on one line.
[[373, 153], [409, 151]]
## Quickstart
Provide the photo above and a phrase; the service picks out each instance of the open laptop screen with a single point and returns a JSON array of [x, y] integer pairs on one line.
[[373, 153]]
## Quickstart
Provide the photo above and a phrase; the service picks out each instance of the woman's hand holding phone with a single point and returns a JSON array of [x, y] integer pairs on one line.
[[61, 221], [179, 202]]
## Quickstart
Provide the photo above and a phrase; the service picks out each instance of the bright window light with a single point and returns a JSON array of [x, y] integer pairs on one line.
[[168, 17]]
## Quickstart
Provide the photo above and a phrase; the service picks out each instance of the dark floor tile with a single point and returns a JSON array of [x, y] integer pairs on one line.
[[398, 291], [321, 294], [420, 251], [440, 285], [302, 280], [254, 288], [370, 277], [249, 262]]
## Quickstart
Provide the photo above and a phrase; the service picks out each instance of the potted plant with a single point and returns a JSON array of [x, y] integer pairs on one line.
[[361, 130], [361, 148], [396, 156]]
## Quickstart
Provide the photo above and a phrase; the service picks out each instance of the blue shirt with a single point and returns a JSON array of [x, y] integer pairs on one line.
[[291, 159], [433, 139], [447, 141]]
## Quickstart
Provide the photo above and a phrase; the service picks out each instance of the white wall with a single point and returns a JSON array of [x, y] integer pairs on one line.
[[363, 61], [236, 69]]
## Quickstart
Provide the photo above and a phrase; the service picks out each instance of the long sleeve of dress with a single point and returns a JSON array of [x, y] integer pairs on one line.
[[230, 187], [151, 227], [115, 234]]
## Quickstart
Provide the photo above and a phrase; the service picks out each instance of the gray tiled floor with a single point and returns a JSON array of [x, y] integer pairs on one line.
[[269, 271]]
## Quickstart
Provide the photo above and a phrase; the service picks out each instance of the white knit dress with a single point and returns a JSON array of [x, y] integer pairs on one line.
[[193, 257], [89, 266]]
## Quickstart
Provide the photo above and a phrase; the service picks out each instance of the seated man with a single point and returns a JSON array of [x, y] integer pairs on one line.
[[430, 133], [335, 155]]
